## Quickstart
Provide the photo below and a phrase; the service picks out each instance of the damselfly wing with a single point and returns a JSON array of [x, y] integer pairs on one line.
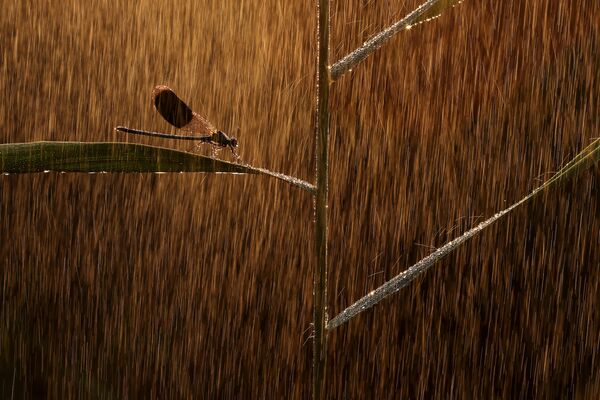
[[181, 116]]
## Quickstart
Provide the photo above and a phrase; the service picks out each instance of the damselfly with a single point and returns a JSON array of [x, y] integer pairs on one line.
[[182, 117]]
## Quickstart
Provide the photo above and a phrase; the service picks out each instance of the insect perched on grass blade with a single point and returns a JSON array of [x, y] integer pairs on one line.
[[181, 116]]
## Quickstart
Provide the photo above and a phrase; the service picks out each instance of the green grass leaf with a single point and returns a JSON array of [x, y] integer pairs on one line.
[[105, 157], [19, 158]]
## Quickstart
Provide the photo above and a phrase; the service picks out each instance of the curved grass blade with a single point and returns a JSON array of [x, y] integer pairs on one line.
[[118, 157], [582, 161], [105, 157], [425, 12]]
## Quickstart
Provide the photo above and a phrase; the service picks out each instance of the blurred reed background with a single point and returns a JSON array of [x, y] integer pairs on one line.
[[200, 286]]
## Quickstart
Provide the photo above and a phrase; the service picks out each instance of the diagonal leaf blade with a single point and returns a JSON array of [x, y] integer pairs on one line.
[[582, 161], [428, 10]]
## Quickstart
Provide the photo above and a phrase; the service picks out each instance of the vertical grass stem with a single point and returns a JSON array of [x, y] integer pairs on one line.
[[321, 165]]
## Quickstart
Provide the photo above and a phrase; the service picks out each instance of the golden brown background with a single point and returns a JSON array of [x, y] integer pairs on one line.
[[200, 286]]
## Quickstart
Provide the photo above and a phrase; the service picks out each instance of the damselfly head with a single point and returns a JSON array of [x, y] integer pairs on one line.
[[232, 143]]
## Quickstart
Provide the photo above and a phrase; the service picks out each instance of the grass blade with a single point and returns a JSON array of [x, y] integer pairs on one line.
[[582, 161], [17, 158], [425, 12]]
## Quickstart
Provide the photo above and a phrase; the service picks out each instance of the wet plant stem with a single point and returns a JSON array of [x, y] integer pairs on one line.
[[354, 58], [321, 200]]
